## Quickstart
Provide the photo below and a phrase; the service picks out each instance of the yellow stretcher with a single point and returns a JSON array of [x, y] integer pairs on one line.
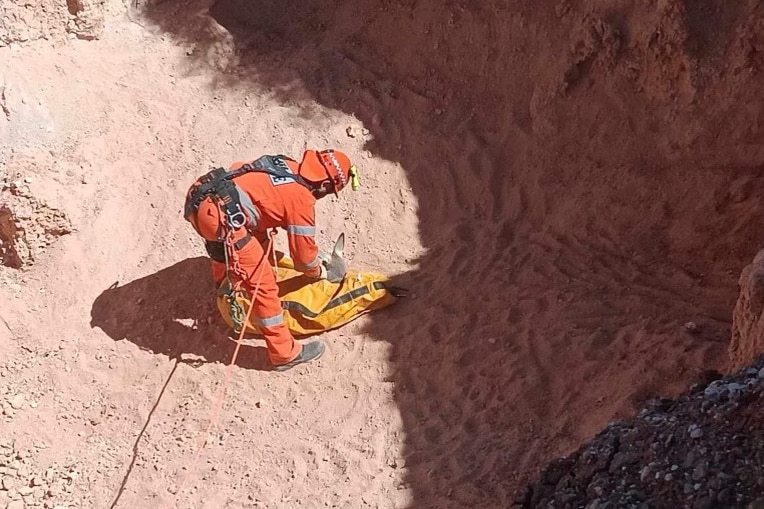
[[316, 306]]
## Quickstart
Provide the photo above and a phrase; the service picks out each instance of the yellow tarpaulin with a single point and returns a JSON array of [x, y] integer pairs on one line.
[[315, 306]]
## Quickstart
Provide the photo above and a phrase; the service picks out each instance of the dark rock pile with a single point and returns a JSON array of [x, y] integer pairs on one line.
[[704, 450]]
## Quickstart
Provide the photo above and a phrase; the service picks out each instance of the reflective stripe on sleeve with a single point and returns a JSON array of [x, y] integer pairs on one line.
[[306, 231]]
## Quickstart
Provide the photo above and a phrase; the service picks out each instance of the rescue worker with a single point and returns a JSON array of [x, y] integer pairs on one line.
[[234, 209]]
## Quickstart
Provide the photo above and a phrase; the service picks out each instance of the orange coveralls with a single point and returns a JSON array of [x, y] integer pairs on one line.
[[280, 203]]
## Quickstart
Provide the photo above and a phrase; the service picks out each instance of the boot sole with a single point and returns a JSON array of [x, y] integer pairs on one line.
[[290, 365]]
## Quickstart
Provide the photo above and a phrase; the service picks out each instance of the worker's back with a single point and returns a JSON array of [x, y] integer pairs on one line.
[[279, 200]]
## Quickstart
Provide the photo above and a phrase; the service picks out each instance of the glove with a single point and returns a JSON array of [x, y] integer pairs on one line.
[[324, 257], [321, 275], [332, 267]]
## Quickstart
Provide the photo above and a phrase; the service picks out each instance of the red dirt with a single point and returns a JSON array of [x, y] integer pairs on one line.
[[562, 187]]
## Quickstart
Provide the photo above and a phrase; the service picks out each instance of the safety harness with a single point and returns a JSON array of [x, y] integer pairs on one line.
[[236, 206], [237, 211]]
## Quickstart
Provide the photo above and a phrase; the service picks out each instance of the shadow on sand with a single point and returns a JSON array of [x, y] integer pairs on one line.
[[586, 185], [164, 314]]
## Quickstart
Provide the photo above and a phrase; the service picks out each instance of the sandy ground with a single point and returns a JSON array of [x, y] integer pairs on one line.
[[112, 138], [560, 204]]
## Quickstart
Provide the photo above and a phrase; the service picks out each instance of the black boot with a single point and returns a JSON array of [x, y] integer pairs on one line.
[[310, 352]]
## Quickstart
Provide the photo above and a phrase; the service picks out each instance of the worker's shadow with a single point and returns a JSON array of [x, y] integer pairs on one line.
[[172, 312]]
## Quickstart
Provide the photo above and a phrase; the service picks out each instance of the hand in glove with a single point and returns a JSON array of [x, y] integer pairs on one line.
[[332, 273], [322, 274]]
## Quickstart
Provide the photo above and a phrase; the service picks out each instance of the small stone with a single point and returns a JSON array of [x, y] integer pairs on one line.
[[25, 491], [691, 327], [17, 402], [734, 387], [16, 504], [696, 433], [36, 481], [700, 472], [711, 390], [668, 477]]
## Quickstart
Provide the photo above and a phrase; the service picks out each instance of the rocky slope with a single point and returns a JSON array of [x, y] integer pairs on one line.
[[703, 450]]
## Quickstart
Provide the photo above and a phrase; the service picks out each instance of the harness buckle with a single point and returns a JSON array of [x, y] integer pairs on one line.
[[237, 219]]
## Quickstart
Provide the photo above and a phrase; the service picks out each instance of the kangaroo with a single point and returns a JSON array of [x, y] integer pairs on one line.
[[336, 268]]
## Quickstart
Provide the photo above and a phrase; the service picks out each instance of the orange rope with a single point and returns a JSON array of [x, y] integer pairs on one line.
[[229, 370]]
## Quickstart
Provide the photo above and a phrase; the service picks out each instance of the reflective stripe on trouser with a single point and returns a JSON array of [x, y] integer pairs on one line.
[[267, 313]]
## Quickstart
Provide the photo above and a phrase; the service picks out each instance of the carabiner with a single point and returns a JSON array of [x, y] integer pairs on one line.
[[237, 220]]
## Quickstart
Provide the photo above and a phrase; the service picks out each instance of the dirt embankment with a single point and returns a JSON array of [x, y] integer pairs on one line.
[[587, 177], [700, 451], [30, 20], [563, 186], [748, 320]]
